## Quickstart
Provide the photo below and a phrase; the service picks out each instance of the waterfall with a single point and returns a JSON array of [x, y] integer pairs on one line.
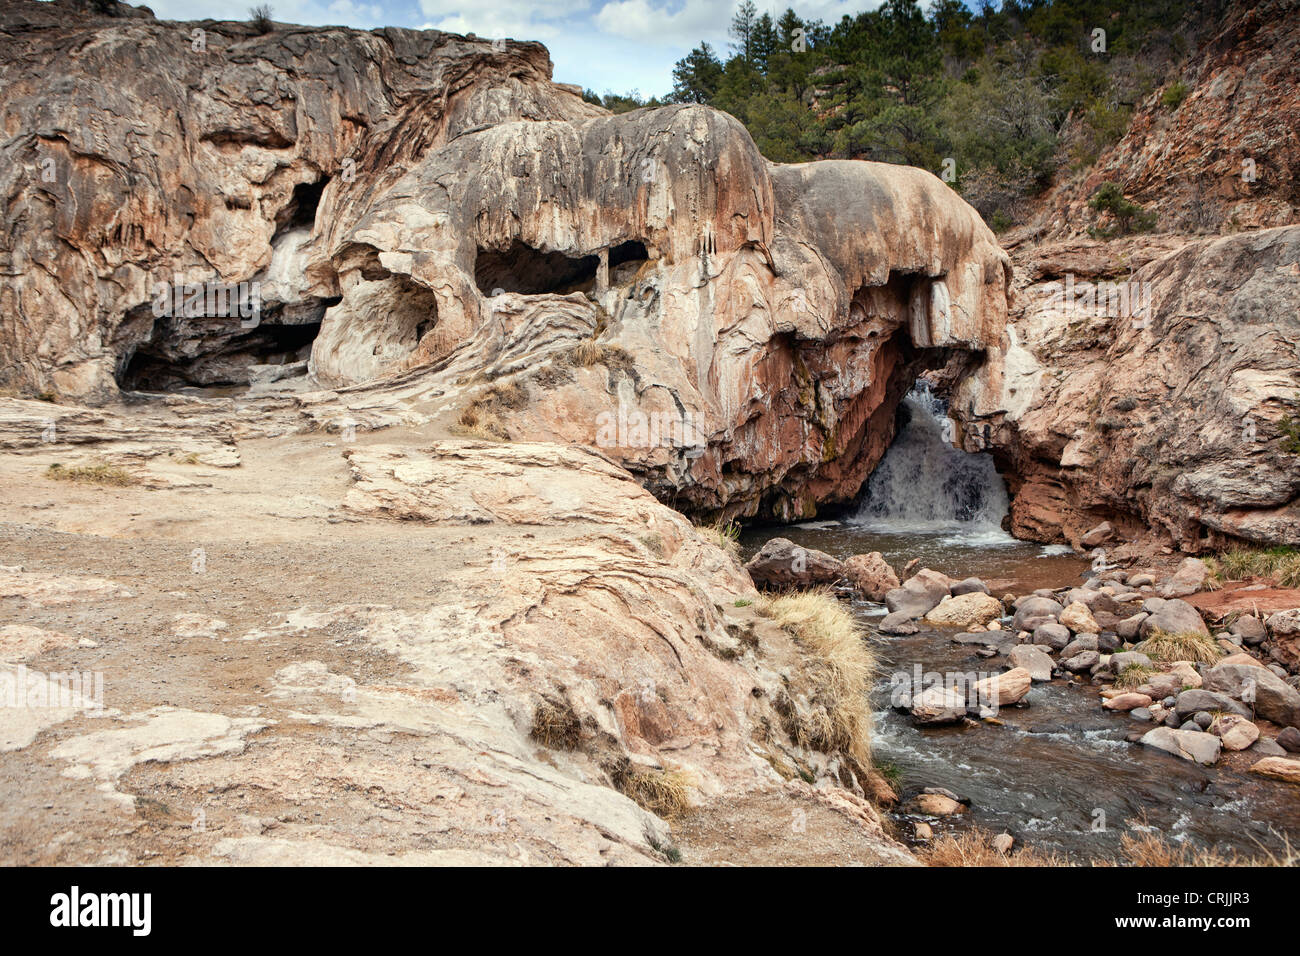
[[925, 485]]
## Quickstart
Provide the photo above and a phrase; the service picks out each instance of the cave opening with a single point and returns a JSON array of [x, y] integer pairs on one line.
[[215, 353], [300, 213], [528, 271], [631, 251]]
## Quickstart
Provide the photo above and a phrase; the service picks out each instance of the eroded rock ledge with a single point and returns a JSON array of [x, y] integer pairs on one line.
[[1177, 419], [453, 220]]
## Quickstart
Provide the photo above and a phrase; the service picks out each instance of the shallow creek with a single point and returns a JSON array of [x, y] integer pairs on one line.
[[1057, 774]]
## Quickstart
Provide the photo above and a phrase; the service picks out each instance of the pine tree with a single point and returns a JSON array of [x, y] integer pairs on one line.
[[742, 30], [697, 76]]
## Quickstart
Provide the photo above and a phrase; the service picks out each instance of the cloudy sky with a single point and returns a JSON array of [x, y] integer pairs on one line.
[[617, 45]]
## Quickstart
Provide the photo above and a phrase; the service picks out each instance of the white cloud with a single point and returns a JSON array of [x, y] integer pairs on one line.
[[516, 19], [686, 22]]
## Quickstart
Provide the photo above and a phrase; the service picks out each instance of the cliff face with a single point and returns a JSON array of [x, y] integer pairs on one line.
[[1153, 381], [1224, 158], [1160, 400], [140, 151], [450, 219]]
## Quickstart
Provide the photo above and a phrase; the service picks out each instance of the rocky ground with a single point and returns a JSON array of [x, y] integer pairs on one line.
[[397, 648]]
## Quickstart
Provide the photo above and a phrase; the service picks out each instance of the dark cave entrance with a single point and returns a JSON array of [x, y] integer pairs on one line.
[[300, 213], [528, 271], [208, 352]]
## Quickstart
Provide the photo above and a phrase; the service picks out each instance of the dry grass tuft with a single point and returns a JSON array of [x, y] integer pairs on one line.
[[1188, 646], [662, 792], [483, 417], [838, 669], [1134, 676], [1281, 565], [725, 535], [555, 725], [975, 848], [101, 474], [589, 353], [1153, 849]]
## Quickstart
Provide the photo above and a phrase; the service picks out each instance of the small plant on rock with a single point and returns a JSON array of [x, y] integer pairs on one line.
[[1128, 215], [259, 18]]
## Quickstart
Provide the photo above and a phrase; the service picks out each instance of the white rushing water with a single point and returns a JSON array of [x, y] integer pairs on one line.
[[924, 485]]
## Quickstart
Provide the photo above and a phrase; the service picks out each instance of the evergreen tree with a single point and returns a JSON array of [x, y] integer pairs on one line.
[[742, 30], [697, 76]]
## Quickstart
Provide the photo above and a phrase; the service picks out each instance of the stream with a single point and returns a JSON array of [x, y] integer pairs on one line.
[[1059, 773]]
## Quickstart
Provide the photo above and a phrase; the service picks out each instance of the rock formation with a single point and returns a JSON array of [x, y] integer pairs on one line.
[[1154, 381], [735, 332]]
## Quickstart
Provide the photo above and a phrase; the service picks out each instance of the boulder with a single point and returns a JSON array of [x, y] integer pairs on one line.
[[1279, 768], [1188, 579], [936, 805], [1002, 843], [781, 563], [1129, 658], [1128, 629], [969, 586], [1289, 740], [1141, 580], [1285, 629], [1273, 698], [1250, 629], [1052, 635], [1173, 617], [1190, 702], [1084, 642], [1267, 747], [1160, 686], [1189, 744], [1237, 733], [1097, 536], [1004, 689], [1083, 661], [938, 705], [1127, 701], [1033, 659], [919, 593], [1284, 623], [871, 575], [1079, 619], [897, 623], [1188, 676], [1241, 658], [1035, 610], [974, 607]]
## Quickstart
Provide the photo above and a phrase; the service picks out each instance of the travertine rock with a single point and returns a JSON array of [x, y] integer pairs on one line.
[[737, 333]]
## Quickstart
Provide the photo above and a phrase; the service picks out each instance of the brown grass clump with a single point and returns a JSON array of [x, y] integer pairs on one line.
[[975, 848], [1135, 676], [1153, 849], [1187, 646], [555, 725], [838, 669], [482, 418], [662, 792], [589, 353], [1281, 565], [101, 474]]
